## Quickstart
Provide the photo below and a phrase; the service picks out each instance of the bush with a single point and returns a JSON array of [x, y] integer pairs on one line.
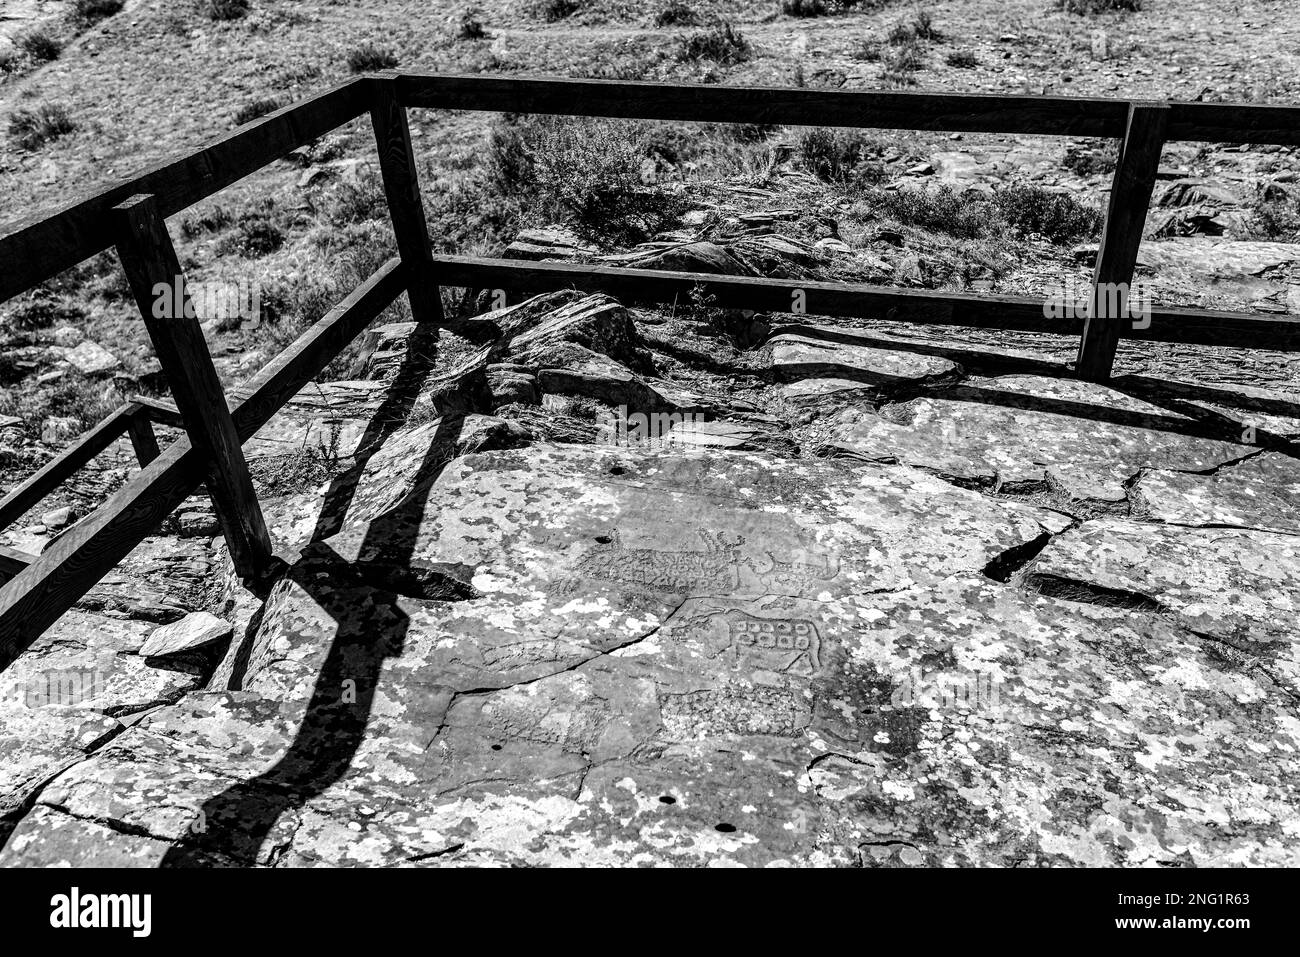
[[962, 59], [908, 58], [41, 309], [1091, 157], [255, 235], [1094, 7], [1276, 216], [40, 45], [941, 210], [1058, 216], [554, 10], [866, 50], [361, 201], [471, 27], [723, 44], [88, 400], [256, 110], [893, 78], [226, 9], [805, 8], [34, 128], [920, 27], [92, 11], [212, 221], [676, 14], [585, 172], [368, 57], [840, 156]]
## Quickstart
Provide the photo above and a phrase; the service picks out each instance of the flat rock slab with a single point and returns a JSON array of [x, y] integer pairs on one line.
[[962, 723], [1084, 439], [63, 696], [193, 631], [518, 720], [1262, 492], [1239, 586], [797, 357], [161, 580]]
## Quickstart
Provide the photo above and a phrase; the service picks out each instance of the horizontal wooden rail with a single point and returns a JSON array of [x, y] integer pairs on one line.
[[13, 562], [925, 307], [37, 249], [59, 469], [869, 109], [54, 581], [161, 411]]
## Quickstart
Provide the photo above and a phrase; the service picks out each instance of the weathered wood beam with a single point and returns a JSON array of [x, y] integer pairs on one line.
[[920, 306], [405, 207], [70, 566], [35, 249], [62, 467], [1130, 196], [158, 286]]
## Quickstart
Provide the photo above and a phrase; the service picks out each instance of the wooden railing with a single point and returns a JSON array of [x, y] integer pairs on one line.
[[131, 216]]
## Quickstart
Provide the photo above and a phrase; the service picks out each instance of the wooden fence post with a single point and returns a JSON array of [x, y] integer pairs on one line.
[[405, 207], [158, 285], [143, 440], [1121, 235]]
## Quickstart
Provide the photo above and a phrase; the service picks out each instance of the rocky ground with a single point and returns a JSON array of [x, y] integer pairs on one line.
[[854, 597], [847, 591]]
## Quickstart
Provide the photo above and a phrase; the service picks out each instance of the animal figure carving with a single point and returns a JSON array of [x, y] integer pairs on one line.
[[714, 570]]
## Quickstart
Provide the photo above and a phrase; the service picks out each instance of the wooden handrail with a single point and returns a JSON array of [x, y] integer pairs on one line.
[[864, 109], [41, 247], [55, 580]]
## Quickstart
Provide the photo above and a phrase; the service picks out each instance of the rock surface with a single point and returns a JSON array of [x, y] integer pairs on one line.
[[193, 631], [1001, 619]]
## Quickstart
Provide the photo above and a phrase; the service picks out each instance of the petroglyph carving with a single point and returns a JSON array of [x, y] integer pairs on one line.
[[716, 569]]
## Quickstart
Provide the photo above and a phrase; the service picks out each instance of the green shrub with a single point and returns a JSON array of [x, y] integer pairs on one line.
[[255, 235], [369, 57], [40, 45], [471, 27], [920, 27], [356, 202], [1094, 7], [32, 129], [1091, 157], [226, 9], [940, 209], [805, 8], [1058, 216], [723, 44], [210, 221], [552, 11], [676, 14], [1275, 215], [866, 50], [256, 109], [92, 11], [585, 172], [908, 58], [40, 309], [841, 156]]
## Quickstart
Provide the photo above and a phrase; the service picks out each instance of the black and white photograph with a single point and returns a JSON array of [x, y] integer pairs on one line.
[[836, 435]]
